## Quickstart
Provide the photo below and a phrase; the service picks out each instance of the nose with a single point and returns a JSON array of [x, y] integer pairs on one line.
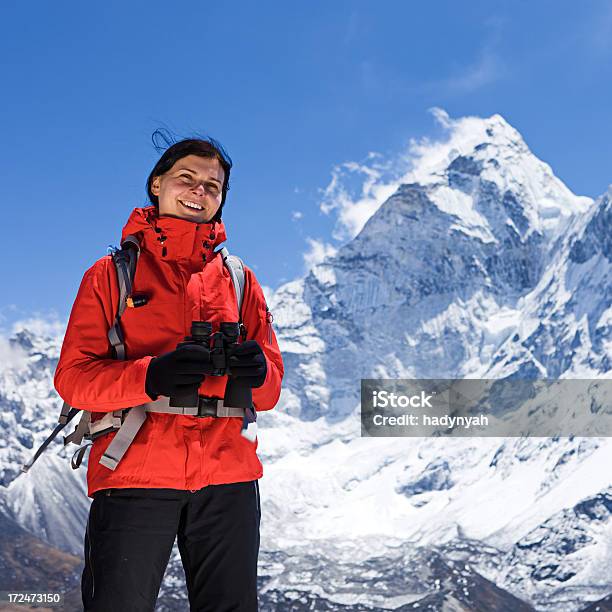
[[199, 188]]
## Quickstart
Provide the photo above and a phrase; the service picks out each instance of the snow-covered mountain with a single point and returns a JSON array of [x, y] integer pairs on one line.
[[442, 274], [481, 264]]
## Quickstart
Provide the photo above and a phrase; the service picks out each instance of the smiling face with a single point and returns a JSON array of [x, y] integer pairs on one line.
[[191, 189]]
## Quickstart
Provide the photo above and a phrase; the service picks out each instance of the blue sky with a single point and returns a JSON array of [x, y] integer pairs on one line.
[[292, 90]]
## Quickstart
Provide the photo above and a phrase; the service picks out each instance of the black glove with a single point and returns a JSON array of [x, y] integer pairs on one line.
[[247, 364], [178, 372]]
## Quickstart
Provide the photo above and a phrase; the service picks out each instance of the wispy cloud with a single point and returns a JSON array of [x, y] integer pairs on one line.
[[12, 357], [454, 77], [14, 318], [486, 69], [268, 292], [355, 192], [41, 324], [317, 252], [15, 357]]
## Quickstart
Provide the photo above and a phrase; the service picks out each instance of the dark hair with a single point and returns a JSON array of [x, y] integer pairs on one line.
[[173, 151]]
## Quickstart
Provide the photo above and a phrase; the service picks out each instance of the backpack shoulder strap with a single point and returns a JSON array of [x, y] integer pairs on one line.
[[235, 267], [125, 260]]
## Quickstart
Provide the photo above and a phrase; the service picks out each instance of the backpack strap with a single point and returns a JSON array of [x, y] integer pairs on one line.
[[235, 267], [76, 437], [65, 417], [125, 260], [136, 416], [123, 438]]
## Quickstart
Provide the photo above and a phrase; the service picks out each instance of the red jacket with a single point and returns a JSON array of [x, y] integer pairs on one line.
[[184, 281]]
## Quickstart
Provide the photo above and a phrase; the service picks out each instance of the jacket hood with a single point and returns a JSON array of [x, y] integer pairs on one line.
[[171, 238]]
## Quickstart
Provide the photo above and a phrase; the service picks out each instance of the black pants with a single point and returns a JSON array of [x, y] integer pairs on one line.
[[130, 534]]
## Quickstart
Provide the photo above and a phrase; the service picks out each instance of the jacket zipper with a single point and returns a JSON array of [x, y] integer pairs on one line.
[[186, 322], [187, 329]]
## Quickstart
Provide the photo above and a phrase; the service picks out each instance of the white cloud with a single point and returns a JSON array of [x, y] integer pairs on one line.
[[41, 325], [267, 291], [355, 192], [12, 357], [296, 215], [317, 252], [487, 68], [44, 325]]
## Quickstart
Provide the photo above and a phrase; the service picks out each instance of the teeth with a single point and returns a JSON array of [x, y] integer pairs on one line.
[[192, 205]]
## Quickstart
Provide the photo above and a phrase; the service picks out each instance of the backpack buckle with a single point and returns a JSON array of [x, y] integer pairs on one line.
[[207, 406]]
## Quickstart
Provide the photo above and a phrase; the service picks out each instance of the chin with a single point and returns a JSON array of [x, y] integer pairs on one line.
[[199, 217]]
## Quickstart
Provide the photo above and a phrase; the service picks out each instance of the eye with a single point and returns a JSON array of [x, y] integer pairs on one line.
[[213, 188]]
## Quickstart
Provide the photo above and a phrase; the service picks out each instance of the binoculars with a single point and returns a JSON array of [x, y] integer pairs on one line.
[[221, 345]]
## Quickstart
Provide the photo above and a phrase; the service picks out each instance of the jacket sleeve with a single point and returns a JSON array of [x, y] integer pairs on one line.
[[258, 322], [87, 376]]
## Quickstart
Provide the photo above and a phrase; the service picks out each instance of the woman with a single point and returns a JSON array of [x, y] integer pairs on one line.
[[190, 477]]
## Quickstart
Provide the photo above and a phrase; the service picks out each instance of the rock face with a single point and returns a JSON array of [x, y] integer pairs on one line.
[[482, 265]]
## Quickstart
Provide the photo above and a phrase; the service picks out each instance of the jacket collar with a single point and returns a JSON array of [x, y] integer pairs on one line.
[[170, 238]]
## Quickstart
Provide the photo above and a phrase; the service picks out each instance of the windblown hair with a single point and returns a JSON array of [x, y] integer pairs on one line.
[[173, 151]]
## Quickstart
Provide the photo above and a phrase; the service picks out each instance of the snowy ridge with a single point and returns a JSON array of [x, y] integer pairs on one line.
[[491, 150]]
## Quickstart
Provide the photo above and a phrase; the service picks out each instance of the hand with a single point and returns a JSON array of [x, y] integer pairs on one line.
[[247, 363], [178, 372]]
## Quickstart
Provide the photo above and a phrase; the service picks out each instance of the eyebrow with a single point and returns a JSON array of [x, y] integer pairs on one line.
[[194, 172]]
